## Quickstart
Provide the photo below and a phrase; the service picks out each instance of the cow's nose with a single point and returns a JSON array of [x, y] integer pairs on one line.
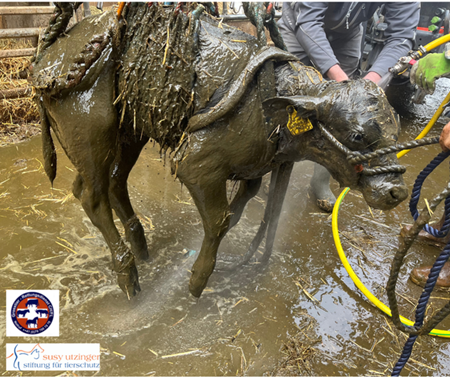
[[399, 193]]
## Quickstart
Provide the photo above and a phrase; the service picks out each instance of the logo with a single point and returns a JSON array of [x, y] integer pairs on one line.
[[32, 313], [23, 356], [53, 356]]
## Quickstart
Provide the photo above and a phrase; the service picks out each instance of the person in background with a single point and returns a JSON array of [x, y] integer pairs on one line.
[[328, 36], [424, 73]]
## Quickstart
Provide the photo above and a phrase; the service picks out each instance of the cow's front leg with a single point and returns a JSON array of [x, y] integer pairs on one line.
[[210, 198]]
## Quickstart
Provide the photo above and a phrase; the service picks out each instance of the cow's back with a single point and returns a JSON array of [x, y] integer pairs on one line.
[[175, 66]]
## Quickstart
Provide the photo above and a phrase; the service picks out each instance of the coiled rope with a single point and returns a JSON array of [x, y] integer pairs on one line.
[[421, 221]]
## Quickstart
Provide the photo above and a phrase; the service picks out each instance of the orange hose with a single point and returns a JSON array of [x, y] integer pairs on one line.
[[120, 9]]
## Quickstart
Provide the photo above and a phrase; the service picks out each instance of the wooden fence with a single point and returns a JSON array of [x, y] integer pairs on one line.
[[22, 32]]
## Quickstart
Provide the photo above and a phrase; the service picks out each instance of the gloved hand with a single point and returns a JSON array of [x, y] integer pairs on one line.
[[425, 72]]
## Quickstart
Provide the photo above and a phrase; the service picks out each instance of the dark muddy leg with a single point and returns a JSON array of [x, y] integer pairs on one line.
[[95, 201], [77, 187], [282, 182], [120, 200], [211, 201], [91, 188], [262, 227], [247, 190]]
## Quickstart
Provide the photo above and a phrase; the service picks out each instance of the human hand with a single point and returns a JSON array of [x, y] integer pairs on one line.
[[336, 73], [444, 139], [425, 72], [373, 76]]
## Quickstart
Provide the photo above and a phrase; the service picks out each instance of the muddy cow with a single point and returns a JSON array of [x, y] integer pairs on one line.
[[197, 88]]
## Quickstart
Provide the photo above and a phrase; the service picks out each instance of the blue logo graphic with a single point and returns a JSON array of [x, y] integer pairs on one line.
[[32, 313]]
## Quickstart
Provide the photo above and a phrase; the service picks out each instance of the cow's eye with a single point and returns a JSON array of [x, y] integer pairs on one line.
[[356, 137]]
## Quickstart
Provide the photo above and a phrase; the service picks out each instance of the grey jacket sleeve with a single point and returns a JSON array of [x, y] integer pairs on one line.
[[310, 33], [402, 20]]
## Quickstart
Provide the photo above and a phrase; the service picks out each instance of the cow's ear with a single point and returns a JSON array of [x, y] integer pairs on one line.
[[278, 109]]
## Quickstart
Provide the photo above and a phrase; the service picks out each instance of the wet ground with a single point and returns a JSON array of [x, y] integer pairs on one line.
[[242, 320]]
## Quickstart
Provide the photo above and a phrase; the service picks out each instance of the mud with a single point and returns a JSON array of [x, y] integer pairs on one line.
[[243, 319], [16, 133]]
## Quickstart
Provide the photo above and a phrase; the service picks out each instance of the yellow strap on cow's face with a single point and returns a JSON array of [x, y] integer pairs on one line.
[[297, 125]]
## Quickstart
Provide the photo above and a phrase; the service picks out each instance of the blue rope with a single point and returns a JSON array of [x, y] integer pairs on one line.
[[438, 264], [415, 195]]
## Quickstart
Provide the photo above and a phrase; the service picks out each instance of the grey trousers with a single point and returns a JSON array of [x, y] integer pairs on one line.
[[346, 48]]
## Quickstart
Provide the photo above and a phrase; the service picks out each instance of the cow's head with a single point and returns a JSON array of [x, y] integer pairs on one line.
[[346, 116]]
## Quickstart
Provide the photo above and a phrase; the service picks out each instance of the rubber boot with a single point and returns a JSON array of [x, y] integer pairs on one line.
[[427, 237], [320, 189], [419, 276]]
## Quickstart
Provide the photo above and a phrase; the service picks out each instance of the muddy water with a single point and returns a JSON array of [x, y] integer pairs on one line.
[[243, 318]]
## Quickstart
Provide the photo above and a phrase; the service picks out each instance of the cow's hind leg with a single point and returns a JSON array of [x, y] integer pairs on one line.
[[95, 201], [210, 198], [91, 187], [119, 198], [280, 189], [278, 186], [247, 190]]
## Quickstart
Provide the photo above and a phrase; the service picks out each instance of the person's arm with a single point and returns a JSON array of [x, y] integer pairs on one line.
[[336, 73], [373, 76], [402, 19], [444, 139], [311, 35]]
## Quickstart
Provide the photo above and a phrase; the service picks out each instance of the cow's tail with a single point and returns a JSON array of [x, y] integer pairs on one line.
[[48, 147]]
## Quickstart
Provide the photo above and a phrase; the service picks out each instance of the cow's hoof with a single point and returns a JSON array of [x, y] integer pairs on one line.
[[196, 286], [127, 275], [128, 281], [195, 291]]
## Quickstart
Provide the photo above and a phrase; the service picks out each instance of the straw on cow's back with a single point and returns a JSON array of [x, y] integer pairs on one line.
[[174, 66]]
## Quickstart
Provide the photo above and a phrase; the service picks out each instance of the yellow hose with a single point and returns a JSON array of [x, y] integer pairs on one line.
[[334, 218], [354, 277], [430, 124], [437, 42]]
